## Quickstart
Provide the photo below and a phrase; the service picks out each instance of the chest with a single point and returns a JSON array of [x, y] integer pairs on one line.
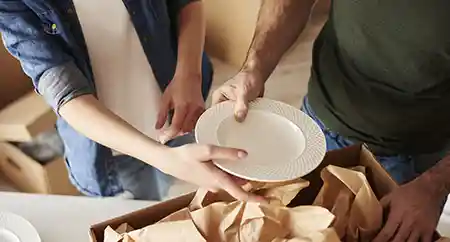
[[397, 42]]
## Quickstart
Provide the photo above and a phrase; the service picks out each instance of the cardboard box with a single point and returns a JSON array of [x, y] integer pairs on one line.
[[29, 175], [379, 179], [24, 118], [13, 82]]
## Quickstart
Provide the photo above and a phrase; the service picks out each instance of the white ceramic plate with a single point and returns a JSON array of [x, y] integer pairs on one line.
[[14, 228], [283, 143]]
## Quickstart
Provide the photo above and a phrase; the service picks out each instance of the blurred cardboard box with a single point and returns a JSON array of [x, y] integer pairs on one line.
[[21, 121], [379, 179], [25, 118], [28, 175]]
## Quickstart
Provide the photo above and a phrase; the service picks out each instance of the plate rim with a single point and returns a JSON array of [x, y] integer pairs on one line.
[[31, 230]]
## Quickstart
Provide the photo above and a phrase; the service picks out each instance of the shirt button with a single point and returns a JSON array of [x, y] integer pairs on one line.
[[70, 11], [145, 39]]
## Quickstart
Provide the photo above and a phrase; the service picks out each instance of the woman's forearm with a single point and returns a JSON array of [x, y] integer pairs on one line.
[[191, 39], [89, 117]]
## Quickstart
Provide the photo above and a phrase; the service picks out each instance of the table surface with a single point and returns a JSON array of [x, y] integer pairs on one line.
[[66, 218]]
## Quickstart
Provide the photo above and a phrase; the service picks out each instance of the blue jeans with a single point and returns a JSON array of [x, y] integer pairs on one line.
[[95, 172], [142, 180], [402, 167]]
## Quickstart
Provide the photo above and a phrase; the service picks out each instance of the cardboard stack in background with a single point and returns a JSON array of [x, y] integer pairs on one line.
[[230, 26], [23, 115]]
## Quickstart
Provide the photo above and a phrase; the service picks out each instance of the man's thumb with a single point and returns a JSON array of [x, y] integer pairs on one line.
[[241, 107]]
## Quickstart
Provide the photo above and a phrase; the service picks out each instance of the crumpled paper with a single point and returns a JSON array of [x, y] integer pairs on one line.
[[236, 221], [356, 214], [348, 195]]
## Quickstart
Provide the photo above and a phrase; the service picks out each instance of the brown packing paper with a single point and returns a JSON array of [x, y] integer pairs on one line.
[[208, 220], [277, 193], [183, 230], [124, 228], [328, 235], [347, 194], [240, 221]]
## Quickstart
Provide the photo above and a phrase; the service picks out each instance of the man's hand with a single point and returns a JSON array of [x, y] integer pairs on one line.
[[413, 211], [242, 88], [184, 96], [192, 163]]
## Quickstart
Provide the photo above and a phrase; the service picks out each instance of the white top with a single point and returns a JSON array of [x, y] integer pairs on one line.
[[123, 76], [66, 218]]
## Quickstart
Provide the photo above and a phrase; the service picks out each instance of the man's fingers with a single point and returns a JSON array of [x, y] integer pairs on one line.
[[427, 236], [414, 236], [217, 97], [403, 232], [212, 152], [164, 108], [224, 93], [389, 229], [241, 106]]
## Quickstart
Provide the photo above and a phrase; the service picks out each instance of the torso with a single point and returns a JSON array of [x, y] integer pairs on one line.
[[382, 73]]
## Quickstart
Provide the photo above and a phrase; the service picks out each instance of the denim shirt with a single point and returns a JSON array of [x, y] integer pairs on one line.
[[46, 37]]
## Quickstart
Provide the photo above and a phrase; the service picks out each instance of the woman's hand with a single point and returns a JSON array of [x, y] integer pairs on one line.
[[184, 96], [192, 163]]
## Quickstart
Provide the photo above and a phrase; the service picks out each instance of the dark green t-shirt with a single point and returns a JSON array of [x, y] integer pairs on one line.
[[381, 73]]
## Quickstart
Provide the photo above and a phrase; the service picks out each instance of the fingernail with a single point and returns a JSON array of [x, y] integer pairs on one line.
[[163, 139], [242, 154], [240, 116]]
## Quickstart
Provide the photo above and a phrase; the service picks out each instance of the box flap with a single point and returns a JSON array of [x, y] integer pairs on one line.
[[382, 183], [26, 117]]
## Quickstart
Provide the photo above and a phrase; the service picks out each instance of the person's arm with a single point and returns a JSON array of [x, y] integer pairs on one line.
[[57, 78], [53, 72], [280, 22], [438, 175], [89, 117], [184, 93], [191, 39], [66, 89], [413, 209]]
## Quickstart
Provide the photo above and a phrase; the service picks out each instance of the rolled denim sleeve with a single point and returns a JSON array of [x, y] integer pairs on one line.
[[53, 72]]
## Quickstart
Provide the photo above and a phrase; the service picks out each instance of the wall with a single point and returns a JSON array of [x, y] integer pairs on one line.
[[230, 27]]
